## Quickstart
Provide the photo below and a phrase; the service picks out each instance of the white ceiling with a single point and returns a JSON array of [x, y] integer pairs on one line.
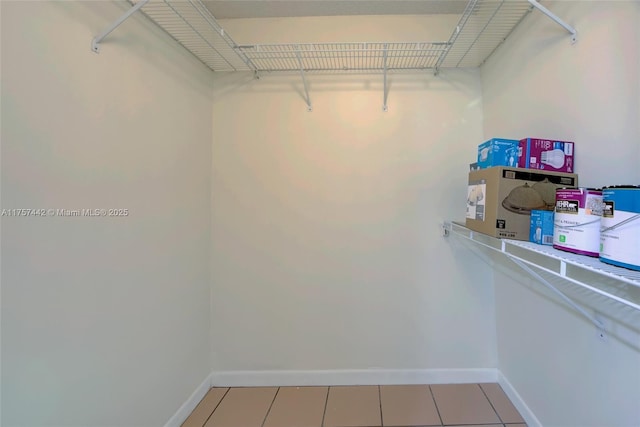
[[230, 9]]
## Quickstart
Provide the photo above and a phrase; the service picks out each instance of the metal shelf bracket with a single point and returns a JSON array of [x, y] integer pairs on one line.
[[555, 290], [307, 99], [95, 43], [524, 255], [385, 88], [572, 31]]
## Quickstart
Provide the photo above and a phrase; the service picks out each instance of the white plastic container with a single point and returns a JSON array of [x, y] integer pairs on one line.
[[576, 221], [620, 227]]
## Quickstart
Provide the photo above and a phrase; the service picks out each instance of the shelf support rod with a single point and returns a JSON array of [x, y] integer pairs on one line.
[[556, 19], [385, 88], [304, 81], [565, 298], [95, 43]]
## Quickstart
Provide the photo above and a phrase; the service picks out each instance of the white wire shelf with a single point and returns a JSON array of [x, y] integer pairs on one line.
[[191, 24], [364, 57], [481, 28], [584, 262], [619, 284]]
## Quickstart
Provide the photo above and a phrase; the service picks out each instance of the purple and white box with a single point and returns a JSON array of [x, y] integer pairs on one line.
[[546, 154]]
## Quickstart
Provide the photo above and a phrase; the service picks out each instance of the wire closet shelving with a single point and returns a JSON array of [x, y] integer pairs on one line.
[[615, 283], [481, 28], [483, 25]]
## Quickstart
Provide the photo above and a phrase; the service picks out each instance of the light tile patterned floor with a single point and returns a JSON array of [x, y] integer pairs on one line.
[[477, 405]]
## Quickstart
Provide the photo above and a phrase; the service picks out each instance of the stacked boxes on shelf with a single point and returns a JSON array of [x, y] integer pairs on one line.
[[514, 178], [500, 199], [528, 153], [512, 194]]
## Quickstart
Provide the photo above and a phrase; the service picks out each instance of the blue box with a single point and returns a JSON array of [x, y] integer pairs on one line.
[[498, 152], [541, 230]]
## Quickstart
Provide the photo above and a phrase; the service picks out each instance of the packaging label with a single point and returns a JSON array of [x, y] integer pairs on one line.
[[608, 209], [577, 228], [566, 181], [620, 238], [620, 228], [507, 234], [567, 206], [498, 152], [541, 229], [568, 148], [546, 154], [476, 195]]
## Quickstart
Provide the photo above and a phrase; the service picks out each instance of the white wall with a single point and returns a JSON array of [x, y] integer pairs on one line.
[[105, 321], [327, 251], [538, 84]]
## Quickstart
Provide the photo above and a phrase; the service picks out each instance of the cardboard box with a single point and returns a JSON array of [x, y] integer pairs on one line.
[[546, 154], [498, 152], [541, 227], [500, 199]]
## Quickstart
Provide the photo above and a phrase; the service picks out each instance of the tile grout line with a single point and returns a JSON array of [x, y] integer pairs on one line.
[[326, 401], [435, 404], [216, 407], [491, 403], [270, 406], [380, 403]]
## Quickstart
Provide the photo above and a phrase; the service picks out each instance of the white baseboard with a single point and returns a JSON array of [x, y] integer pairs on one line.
[[352, 377], [518, 402], [189, 405]]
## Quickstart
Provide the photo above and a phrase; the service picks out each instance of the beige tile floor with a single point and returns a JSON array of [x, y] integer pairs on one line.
[[477, 405]]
